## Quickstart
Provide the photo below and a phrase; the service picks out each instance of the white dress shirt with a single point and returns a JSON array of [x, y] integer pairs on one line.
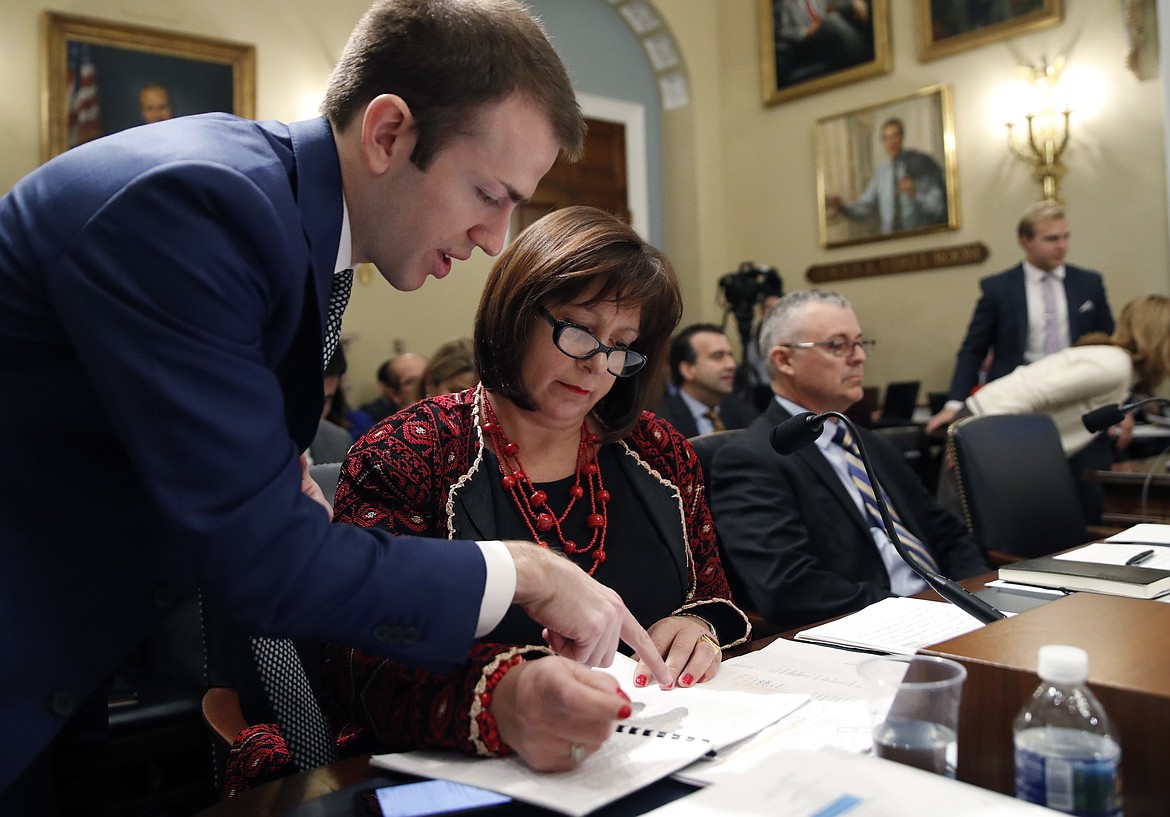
[[1034, 289]]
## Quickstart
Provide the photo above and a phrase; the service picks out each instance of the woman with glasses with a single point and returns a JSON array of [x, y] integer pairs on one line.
[[553, 446]]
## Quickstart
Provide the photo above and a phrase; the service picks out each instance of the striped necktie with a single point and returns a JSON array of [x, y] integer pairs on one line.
[[857, 473], [338, 298], [716, 420]]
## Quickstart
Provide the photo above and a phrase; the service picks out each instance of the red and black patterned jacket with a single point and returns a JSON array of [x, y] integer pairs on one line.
[[422, 471]]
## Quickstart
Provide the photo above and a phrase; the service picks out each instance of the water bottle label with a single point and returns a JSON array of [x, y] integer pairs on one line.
[[1089, 788]]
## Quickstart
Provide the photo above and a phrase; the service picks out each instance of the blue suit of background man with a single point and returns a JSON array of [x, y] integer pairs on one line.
[[1000, 322]]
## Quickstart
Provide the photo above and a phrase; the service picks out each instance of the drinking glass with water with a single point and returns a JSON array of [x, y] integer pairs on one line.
[[913, 703]]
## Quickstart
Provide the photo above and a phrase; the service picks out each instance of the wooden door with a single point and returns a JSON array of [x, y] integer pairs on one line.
[[599, 179]]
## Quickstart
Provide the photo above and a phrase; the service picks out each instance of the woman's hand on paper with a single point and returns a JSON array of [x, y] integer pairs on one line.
[[583, 619], [547, 707], [691, 653]]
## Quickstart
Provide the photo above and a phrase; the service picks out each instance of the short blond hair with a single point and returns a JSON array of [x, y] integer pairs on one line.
[[1036, 215]]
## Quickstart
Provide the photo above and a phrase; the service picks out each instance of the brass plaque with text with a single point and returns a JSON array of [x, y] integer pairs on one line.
[[958, 255]]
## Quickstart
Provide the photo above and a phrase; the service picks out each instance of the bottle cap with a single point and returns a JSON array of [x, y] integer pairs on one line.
[[1067, 665]]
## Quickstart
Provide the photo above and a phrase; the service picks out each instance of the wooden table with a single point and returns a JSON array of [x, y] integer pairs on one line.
[[1129, 672], [1122, 486]]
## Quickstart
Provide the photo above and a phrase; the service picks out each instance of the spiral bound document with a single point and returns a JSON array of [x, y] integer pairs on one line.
[[632, 758], [669, 730]]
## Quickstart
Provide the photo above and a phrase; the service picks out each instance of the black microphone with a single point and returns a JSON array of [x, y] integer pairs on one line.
[[1100, 419], [800, 430]]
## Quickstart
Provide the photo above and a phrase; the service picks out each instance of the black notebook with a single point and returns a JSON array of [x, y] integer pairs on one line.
[[1134, 581]]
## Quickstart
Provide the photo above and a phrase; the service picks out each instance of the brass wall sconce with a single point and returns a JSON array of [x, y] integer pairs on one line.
[[1048, 131]]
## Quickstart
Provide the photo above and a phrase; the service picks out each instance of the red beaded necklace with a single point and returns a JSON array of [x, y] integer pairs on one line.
[[533, 503]]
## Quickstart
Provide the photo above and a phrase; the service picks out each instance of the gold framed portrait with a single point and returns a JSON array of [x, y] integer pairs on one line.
[[888, 170], [949, 26], [809, 46], [99, 77]]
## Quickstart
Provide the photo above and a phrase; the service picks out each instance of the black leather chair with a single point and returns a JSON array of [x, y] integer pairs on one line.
[[159, 759], [1018, 496], [706, 445]]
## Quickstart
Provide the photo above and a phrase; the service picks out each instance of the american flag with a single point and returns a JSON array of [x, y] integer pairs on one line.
[[85, 115]]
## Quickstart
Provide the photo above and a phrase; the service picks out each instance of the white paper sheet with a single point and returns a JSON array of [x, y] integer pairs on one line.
[[1147, 532], [895, 625], [826, 782], [733, 705]]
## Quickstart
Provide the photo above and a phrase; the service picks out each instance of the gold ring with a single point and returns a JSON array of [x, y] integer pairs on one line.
[[576, 753], [711, 641]]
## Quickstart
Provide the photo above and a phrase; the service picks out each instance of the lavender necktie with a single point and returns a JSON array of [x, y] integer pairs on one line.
[[1053, 341]]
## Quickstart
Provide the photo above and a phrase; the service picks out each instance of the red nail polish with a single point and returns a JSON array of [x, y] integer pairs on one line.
[[704, 678], [687, 680], [640, 681], [624, 712], [622, 692]]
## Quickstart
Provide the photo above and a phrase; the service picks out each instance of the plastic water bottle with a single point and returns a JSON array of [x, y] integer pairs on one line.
[[1067, 754]]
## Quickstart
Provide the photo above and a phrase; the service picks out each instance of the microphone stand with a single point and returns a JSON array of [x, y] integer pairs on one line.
[[1101, 418], [947, 588]]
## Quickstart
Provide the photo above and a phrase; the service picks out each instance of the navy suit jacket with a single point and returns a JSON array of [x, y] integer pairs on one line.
[[734, 411], [162, 298], [1000, 322], [793, 536]]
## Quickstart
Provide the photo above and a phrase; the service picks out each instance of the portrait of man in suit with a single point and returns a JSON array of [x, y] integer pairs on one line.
[[886, 170], [810, 46]]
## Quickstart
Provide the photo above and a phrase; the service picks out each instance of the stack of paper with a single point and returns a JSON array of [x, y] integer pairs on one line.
[[895, 625]]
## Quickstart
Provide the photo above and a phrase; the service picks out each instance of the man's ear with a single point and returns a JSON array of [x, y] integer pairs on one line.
[[687, 371], [781, 359], [388, 135]]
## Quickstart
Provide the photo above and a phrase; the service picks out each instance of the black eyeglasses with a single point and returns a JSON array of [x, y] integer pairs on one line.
[[837, 347], [580, 344]]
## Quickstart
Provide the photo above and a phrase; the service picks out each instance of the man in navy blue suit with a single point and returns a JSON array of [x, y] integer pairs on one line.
[[163, 304], [1037, 307]]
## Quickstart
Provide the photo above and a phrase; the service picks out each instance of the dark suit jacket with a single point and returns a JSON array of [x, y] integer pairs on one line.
[[1000, 322], [162, 298], [794, 538], [734, 410]]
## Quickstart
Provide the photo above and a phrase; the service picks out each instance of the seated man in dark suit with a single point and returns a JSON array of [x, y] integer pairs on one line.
[[795, 529], [702, 370]]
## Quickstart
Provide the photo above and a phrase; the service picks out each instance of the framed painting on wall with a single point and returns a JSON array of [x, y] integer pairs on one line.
[[99, 78], [808, 46], [948, 26], [888, 170]]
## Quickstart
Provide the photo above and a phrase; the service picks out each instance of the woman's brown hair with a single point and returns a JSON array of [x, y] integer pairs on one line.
[[552, 263], [1143, 330]]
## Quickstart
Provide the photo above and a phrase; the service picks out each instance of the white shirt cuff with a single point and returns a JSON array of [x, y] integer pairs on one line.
[[500, 587], [953, 405]]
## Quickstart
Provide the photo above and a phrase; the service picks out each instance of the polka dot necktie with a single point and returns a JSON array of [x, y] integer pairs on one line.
[[281, 672], [338, 298]]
